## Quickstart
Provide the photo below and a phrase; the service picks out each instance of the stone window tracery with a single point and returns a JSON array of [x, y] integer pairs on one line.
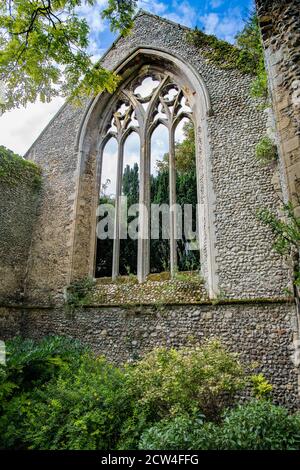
[[152, 99]]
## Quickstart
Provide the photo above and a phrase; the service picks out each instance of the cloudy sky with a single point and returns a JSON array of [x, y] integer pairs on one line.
[[224, 18]]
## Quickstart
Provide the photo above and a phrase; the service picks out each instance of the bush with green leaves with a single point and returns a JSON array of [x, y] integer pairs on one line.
[[31, 363], [257, 425], [30, 366], [171, 381], [82, 410], [177, 433], [15, 170], [78, 291], [55, 394], [266, 151]]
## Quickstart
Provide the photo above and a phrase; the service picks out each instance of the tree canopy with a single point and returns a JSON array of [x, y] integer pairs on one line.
[[43, 49]]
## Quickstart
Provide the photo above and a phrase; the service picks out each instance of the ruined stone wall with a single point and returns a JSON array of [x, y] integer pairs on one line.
[[280, 27], [18, 202], [246, 266], [261, 333], [50, 255]]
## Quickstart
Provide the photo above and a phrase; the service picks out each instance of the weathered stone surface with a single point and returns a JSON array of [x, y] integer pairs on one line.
[[244, 263], [17, 216], [280, 26], [261, 333], [232, 186]]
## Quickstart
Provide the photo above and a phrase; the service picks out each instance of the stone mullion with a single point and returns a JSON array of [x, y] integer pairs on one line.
[[117, 220], [172, 202], [143, 266]]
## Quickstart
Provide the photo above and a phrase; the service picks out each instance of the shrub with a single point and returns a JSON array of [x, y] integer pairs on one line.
[[260, 386], [78, 291], [258, 425], [30, 365], [178, 433], [266, 151], [169, 382], [84, 410], [14, 170]]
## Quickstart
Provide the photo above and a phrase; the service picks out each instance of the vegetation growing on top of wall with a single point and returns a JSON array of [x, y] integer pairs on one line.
[[15, 170], [266, 151], [222, 53], [77, 292], [159, 288], [246, 55]]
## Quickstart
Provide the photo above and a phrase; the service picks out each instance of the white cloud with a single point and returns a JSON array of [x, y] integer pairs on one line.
[[185, 13], [20, 127], [155, 6], [210, 22], [97, 25], [223, 26], [92, 14]]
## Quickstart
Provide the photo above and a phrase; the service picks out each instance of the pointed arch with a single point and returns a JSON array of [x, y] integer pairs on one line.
[[90, 137]]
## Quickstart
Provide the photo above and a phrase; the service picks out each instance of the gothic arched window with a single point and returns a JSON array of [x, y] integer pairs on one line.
[[142, 156]]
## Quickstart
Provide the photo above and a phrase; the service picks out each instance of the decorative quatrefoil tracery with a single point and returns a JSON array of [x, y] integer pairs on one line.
[[148, 101]]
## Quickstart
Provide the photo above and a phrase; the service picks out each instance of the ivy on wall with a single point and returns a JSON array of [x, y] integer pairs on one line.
[[15, 170], [246, 55], [222, 53]]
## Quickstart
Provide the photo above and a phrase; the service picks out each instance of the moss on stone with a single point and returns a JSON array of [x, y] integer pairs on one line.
[[163, 276], [16, 170], [186, 287], [221, 53]]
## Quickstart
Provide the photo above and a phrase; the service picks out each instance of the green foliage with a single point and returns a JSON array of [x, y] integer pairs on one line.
[[78, 291], [266, 151], [286, 231], [178, 433], [184, 152], [130, 184], [246, 55], [120, 14], [84, 410], [44, 49], [260, 386], [259, 86], [55, 394], [15, 170], [221, 53], [257, 425], [249, 39], [169, 381], [30, 365]]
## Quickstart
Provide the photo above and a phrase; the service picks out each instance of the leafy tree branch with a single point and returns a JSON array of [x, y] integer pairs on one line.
[[44, 49]]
